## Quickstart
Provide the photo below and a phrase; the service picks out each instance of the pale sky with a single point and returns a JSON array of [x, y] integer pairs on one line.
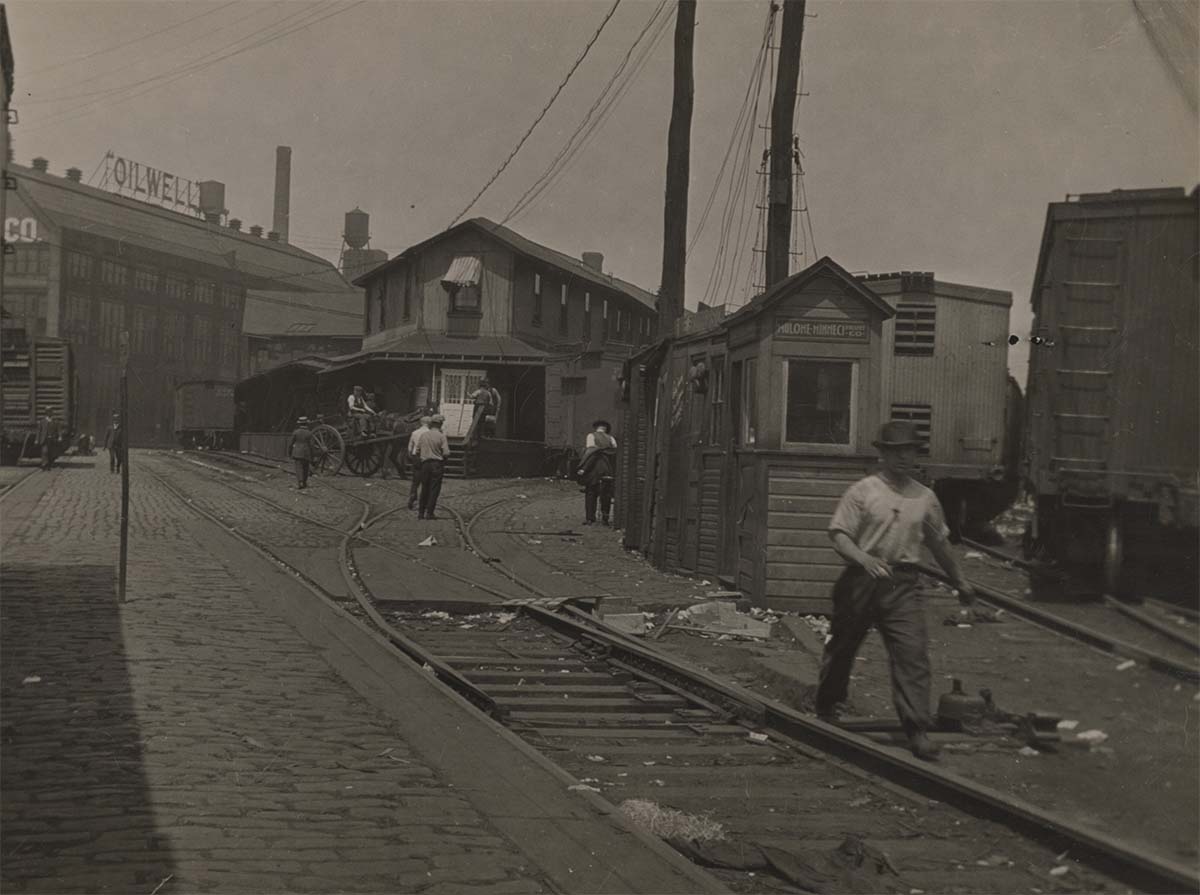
[[934, 133]]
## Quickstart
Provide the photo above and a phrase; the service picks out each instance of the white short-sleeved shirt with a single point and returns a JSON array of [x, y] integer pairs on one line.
[[888, 524], [590, 441], [415, 438]]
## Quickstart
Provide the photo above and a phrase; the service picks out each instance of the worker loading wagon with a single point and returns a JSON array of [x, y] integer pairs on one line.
[[1112, 446]]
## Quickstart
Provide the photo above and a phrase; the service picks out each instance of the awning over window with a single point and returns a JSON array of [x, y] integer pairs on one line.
[[464, 271]]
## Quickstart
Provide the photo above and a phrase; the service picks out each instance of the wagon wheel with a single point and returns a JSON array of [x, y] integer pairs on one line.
[[328, 450], [364, 459]]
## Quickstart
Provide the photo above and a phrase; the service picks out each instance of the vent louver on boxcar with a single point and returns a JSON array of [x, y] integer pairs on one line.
[[922, 415], [915, 328]]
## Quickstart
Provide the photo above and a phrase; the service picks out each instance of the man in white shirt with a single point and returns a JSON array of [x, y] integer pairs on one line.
[[414, 461], [433, 449], [879, 528], [597, 471], [359, 410]]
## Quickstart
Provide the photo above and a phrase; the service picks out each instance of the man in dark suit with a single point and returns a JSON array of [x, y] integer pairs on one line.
[[114, 443], [47, 438], [300, 450]]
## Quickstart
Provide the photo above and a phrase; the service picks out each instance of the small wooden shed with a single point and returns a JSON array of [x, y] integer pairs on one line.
[[754, 428]]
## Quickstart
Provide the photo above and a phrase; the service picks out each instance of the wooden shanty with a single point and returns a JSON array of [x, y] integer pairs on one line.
[[742, 436]]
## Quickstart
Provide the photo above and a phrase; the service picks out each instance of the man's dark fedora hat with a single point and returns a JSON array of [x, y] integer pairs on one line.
[[898, 433], [605, 423]]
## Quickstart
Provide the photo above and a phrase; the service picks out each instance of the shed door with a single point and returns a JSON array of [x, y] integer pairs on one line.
[[456, 405]]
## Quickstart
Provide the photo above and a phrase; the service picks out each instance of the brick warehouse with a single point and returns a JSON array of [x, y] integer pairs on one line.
[[88, 264]]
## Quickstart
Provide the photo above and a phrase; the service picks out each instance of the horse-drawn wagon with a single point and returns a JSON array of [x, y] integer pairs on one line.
[[339, 442]]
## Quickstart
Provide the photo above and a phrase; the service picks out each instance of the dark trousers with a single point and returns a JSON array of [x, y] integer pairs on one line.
[[396, 454], [602, 491], [414, 466], [302, 469], [47, 455], [894, 606], [431, 486], [114, 459]]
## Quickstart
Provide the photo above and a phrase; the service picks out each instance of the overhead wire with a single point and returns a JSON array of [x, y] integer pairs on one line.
[[587, 48], [130, 42], [589, 123]]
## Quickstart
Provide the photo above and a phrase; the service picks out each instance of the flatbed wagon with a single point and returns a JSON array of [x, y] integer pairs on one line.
[[339, 443]]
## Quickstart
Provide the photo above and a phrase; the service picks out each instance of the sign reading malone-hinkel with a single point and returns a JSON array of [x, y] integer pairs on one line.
[[823, 330]]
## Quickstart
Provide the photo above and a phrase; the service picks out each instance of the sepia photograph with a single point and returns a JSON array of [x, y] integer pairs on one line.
[[600, 446]]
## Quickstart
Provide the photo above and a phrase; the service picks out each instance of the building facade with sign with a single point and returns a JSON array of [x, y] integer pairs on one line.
[[88, 265], [754, 427]]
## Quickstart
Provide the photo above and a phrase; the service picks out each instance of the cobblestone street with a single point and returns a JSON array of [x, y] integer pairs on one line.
[[195, 739]]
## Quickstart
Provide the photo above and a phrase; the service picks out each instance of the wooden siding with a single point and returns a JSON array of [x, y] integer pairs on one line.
[[711, 514], [495, 288]]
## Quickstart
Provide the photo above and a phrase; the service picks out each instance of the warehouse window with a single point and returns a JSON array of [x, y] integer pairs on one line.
[[205, 292], [819, 402], [112, 321], [172, 331], [175, 287], [915, 328], [79, 265], [142, 335], [229, 350], [27, 258], [922, 415], [537, 299], [562, 310], [587, 316], [604, 321], [145, 280], [201, 340], [231, 297], [114, 274], [78, 312]]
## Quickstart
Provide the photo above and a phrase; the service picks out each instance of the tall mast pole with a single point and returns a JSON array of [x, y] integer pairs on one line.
[[675, 212], [783, 112]]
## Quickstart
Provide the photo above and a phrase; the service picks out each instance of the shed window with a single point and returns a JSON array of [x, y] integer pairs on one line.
[[462, 283], [537, 299], [716, 391], [819, 402], [744, 394], [915, 328], [922, 415], [562, 310]]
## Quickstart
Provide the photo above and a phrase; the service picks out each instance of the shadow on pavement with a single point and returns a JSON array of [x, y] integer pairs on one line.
[[76, 814]]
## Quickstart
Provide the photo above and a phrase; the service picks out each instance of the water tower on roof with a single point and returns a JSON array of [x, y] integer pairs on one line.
[[357, 257]]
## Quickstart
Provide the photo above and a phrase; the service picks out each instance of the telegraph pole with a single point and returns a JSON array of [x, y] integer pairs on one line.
[[783, 112], [124, 464], [679, 136]]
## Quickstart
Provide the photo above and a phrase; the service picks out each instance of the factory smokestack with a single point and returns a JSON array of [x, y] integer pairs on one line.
[[283, 190]]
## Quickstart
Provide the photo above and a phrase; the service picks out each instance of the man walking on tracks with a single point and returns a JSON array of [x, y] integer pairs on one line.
[[300, 450], [114, 443], [433, 449], [596, 471], [414, 460], [879, 527]]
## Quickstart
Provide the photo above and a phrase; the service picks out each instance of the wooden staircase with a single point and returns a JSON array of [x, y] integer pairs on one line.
[[461, 463]]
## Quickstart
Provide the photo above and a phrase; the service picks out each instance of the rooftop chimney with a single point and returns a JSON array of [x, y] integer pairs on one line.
[[273, 236], [594, 260], [283, 190], [235, 224], [74, 175], [256, 230], [41, 164]]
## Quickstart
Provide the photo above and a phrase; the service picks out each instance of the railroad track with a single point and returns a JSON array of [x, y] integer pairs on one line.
[[1157, 634], [634, 723]]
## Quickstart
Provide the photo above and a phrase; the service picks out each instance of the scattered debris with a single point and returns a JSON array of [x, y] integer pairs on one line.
[[429, 668], [719, 617], [582, 787], [251, 741], [663, 627], [973, 554], [1092, 737], [597, 758], [668, 823], [1028, 751], [758, 737], [1127, 664], [32, 679], [1067, 725], [1060, 870], [437, 614]]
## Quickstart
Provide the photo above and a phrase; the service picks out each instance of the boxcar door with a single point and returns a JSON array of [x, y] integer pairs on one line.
[[456, 406]]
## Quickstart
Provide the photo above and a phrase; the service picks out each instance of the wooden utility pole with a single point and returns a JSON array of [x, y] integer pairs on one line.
[[783, 112], [679, 137], [124, 449]]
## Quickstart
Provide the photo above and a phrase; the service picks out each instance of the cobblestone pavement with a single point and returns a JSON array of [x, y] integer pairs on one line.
[[189, 740]]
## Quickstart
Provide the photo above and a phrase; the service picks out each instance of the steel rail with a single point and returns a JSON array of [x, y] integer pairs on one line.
[[1071, 629], [1101, 851], [17, 484]]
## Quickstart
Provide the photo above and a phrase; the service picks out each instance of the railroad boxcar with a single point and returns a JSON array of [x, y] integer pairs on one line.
[[38, 376], [949, 375], [204, 414], [1112, 447]]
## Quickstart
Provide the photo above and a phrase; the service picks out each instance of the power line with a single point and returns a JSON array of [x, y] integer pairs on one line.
[[540, 116], [126, 43], [569, 148]]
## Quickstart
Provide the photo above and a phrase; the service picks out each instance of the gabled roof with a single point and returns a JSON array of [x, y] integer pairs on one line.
[[824, 267], [77, 206], [527, 247], [271, 313], [435, 346]]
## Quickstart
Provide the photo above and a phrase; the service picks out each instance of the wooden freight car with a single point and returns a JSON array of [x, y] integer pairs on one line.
[[38, 378], [1112, 447], [204, 414]]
